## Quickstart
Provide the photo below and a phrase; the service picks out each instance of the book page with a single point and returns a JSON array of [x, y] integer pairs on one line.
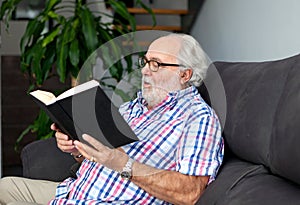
[[46, 97], [78, 89]]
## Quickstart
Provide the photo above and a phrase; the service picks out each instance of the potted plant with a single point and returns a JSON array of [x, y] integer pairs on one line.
[[63, 48]]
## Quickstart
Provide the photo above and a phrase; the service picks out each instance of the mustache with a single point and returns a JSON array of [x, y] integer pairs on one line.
[[146, 79], [159, 88]]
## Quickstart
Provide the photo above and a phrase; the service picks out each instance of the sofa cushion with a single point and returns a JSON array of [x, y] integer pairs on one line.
[[243, 183], [253, 92], [285, 152], [43, 160], [262, 111]]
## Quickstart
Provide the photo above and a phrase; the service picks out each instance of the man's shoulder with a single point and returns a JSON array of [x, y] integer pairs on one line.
[[197, 104]]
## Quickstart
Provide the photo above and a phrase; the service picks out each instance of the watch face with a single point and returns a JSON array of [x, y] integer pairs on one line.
[[125, 175]]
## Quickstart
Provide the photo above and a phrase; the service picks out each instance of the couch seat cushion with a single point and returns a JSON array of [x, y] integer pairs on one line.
[[244, 183]]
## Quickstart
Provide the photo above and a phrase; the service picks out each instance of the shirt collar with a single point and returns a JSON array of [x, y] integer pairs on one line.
[[189, 91]]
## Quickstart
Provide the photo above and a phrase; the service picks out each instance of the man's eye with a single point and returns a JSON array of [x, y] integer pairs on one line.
[[155, 64]]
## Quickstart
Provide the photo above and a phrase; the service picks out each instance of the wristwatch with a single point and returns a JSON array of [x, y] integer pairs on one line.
[[126, 173]]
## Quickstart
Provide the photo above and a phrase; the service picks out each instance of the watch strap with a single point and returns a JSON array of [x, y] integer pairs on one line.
[[127, 169]]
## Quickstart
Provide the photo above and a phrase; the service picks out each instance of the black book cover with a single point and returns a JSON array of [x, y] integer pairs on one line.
[[88, 110]]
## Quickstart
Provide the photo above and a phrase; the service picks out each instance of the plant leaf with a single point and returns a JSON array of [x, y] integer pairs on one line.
[[61, 55], [32, 33], [120, 8], [63, 51], [74, 53], [47, 136], [51, 4], [21, 136], [51, 36], [88, 29], [49, 58], [148, 9], [6, 10], [42, 123], [38, 51], [129, 62]]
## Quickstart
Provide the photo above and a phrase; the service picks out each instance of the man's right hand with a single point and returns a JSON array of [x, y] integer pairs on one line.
[[65, 144]]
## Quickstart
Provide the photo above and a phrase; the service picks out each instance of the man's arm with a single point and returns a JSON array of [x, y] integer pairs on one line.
[[170, 186]]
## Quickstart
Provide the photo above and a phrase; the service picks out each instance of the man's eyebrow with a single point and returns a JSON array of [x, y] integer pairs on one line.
[[154, 58]]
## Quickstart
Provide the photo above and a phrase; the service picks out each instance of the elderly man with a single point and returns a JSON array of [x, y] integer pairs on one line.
[[180, 148]]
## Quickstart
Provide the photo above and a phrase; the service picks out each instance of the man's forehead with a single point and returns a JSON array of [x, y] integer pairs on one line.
[[165, 46]]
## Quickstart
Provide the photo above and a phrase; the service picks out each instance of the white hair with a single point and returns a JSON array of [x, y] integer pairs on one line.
[[192, 55]]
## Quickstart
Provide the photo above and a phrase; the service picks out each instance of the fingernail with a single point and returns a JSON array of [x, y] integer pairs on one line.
[[75, 144], [84, 136]]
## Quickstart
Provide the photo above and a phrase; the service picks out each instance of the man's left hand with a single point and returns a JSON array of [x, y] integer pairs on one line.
[[111, 158]]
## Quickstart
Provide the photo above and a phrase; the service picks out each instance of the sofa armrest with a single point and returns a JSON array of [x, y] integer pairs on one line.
[[43, 160]]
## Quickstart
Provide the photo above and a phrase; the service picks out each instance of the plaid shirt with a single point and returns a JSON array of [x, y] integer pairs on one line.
[[181, 134]]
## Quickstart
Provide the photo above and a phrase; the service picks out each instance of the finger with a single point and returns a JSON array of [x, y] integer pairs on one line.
[[54, 127], [63, 143], [92, 141], [86, 150], [63, 137], [79, 147], [68, 149]]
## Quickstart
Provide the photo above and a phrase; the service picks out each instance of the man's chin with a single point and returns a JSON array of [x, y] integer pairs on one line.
[[147, 90], [146, 94]]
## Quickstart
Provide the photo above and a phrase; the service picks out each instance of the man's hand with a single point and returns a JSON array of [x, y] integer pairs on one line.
[[65, 144], [114, 159]]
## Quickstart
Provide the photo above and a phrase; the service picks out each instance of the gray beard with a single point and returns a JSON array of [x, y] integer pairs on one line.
[[154, 96], [157, 93]]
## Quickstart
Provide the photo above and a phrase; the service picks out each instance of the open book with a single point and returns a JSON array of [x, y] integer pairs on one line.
[[86, 109]]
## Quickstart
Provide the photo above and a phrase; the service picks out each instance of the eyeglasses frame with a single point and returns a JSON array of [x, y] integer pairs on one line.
[[158, 63]]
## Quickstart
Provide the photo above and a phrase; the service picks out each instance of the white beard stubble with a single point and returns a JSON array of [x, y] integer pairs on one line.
[[159, 91]]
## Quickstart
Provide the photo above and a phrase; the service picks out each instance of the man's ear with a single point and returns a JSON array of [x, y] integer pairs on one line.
[[186, 75]]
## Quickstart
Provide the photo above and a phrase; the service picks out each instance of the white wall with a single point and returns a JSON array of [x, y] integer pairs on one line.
[[243, 30]]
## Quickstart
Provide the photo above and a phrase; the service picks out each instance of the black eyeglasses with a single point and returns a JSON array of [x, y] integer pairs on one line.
[[153, 64]]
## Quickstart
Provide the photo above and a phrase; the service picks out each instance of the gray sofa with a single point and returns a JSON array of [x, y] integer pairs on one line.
[[261, 131]]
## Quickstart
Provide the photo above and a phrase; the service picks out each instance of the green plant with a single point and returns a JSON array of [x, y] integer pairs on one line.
[[62, 49], [71, 39]]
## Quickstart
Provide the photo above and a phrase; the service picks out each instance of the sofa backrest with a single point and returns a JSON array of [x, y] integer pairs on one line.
[[263, 113]]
